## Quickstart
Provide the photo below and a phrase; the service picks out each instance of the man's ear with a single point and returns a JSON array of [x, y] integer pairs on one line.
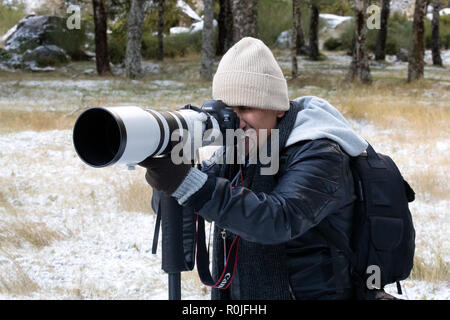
[[280, 114]]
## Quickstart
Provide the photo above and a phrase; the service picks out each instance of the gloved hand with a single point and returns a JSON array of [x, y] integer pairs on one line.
[[163, 175]]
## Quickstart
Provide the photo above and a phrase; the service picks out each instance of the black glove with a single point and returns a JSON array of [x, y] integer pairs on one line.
[[163, 175]]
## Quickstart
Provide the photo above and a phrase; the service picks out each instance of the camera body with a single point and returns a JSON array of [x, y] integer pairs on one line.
[[225, 116]]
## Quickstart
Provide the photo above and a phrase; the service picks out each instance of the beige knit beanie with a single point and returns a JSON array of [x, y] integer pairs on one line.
[[248, 75]]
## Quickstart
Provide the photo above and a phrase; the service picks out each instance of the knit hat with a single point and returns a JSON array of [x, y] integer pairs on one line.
[[248, 75]]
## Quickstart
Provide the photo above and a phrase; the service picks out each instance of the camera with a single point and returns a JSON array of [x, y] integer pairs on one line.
[[104, 136]]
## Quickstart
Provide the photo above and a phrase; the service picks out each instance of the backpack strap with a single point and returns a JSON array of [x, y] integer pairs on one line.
[[332, 237], [373, 159], [335, 241]]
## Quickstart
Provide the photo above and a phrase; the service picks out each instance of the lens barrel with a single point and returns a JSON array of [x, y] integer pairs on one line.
[[103, 136]]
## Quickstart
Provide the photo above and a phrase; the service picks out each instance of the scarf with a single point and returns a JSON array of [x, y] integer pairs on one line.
[[262, 272]]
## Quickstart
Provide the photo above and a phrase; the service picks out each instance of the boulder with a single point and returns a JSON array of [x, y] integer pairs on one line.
[[402, 55], [284, 40], [4, 55], [46, 55], [34, 31]]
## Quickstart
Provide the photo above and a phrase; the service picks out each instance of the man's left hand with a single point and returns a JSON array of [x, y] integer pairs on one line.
[[163, 175]]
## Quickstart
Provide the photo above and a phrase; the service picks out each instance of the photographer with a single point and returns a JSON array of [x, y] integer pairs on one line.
[[281, 253]]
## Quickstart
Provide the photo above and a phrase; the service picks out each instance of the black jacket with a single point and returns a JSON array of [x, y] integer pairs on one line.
[[314, 182]]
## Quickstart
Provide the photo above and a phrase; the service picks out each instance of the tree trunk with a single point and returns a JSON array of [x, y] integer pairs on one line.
[[294, 39], [160, 50], [314, 33], [435, 37], [297, 26], [245, 19], [225, 39], [360, 62], [416, 63], [134, 38], [380, 50], [207, 56], [101, 43]]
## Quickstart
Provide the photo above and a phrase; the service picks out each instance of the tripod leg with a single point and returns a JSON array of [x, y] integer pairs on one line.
[[175, 286]]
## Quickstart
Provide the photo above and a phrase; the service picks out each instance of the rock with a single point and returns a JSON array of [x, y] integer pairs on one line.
[[284, 40], [402, 55], [46, 55], [146, 68], [14, 62], [89, 72], [150, 68], [33, 66], [34, 31], [4, 55]]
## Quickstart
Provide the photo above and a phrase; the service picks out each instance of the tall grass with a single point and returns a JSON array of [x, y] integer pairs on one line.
[[13, 279], [15, 120], [436, 270], [135, 194]]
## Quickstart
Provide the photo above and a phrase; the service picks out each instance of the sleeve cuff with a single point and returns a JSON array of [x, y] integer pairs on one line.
[[193, 182]]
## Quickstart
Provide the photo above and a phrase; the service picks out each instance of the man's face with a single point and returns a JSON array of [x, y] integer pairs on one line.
[[257, 119]]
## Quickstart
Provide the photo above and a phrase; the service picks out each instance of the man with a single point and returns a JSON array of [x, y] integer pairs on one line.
[[282, 254]]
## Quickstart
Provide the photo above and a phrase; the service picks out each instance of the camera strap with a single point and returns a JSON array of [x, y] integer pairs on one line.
[[204, 273], [231, 256]]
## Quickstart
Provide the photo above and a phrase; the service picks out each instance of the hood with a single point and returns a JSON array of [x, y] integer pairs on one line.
[[319, 119]]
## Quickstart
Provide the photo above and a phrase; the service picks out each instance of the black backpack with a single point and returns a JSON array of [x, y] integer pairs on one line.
[[383, 238]]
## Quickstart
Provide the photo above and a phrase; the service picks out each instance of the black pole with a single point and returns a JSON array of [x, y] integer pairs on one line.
[[178, 231], [175, 286]]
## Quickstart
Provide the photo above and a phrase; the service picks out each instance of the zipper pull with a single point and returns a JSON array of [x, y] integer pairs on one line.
[[224, 237]]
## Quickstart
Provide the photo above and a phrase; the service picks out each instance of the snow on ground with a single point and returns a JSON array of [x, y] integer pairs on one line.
[[420, 290], [104, 253]]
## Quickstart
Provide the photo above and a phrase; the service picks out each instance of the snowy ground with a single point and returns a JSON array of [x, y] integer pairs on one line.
[[64, 232], [103, 252]]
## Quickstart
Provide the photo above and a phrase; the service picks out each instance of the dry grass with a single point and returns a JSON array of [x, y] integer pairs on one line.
[[13, 279], [18, 227], [14, 120], [435, 271], [383, 106], [430, 182], [135, 194], [18, 231]]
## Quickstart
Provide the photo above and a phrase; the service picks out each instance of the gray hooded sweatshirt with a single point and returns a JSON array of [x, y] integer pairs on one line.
[[319, 119]]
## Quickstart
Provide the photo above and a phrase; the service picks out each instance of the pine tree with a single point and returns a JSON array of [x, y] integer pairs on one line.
[[435, 37], [133, 55], [245, 19], [101, 43], [360, 62], [207, 56], [416, 62], [380, 50]]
